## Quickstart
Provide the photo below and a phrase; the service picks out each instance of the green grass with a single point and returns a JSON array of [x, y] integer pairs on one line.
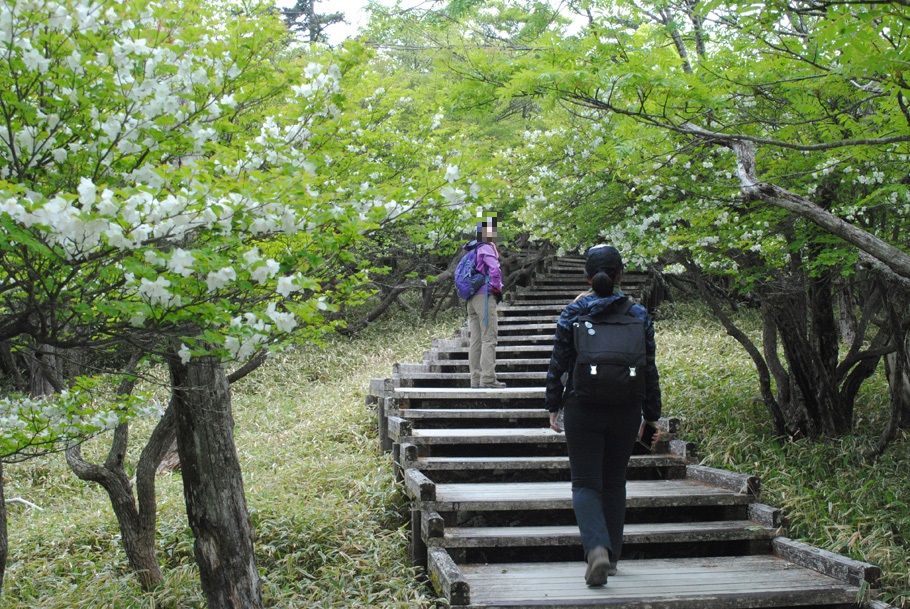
[[831, 497], [329, 517], [327, 513]]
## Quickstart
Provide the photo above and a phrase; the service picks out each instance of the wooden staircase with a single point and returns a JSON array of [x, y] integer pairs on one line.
[[491, 515]]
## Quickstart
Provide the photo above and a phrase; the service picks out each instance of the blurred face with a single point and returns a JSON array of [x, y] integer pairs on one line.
[[489, 232]]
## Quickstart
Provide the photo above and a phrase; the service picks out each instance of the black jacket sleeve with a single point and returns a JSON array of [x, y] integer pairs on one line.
[[651, 407], [561, 360]]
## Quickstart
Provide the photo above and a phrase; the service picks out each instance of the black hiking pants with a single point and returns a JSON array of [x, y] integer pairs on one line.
[[600, 442]]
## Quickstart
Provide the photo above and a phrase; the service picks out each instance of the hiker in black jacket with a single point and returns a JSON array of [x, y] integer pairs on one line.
[[600, 435]]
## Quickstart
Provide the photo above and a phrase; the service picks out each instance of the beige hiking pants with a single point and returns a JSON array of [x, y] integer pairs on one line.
[[482, 354]]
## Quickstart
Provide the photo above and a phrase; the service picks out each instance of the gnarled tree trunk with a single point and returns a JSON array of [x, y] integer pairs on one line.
[[213, 485]]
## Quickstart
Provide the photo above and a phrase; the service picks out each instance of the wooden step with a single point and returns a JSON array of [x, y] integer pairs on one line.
[[416, 415], [506, 338], [511, 310], [409, 379], [681, 583], [492, 435], [527, 319], [568, 535], [505, 349], [502, 363], [497, 496], [461, 393], [433, 464]]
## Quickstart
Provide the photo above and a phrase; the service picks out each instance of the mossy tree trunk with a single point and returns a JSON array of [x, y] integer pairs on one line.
[[213, 485]]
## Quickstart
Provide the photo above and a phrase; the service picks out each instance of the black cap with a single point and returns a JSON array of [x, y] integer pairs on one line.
[[602, 258]]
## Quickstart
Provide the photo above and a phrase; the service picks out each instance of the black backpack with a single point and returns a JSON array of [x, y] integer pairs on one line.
[[610, 363]]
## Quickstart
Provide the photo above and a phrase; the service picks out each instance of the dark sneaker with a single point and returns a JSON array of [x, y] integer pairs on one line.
[[494, 385], [598, 567], [612, 570]]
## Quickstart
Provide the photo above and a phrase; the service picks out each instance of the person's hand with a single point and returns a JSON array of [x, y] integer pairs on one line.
[[649, 428], [498, 297], [554, 425]]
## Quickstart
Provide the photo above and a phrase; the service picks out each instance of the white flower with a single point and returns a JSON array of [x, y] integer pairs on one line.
[[252, 256], [156, 292], [181, 262], [216, 280], [264, 272], [152, 257], [286, 286], [454, 196], [184, 353], [452, 174], [285, 322], [87, 193], [321, 304]]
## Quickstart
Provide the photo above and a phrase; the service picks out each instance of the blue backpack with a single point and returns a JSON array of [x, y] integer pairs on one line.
[[467, 278]]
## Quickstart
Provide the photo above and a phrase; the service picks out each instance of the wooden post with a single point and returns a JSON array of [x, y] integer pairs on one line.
[[845, 569], [385, 443], [740, 483], [419, 487], [447, 577], [418, 548]]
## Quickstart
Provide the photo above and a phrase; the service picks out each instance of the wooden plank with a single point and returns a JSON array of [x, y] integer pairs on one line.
[[470, 413], [500, 361], [432, 525], [689, 583], [418, 486], [447, 578], [740, 483], [766, 515], [682, 449], [568, 535], [464, 376], [407, 454], [499, 349], [853, 572], [398, 428], [462, 393], [531, 462], [382, 424], [493, 435], [558, 495]]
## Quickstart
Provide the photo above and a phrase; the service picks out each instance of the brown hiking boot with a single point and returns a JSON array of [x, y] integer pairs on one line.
[[598, 567]]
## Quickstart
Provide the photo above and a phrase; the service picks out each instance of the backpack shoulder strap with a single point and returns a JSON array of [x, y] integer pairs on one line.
[[626, 306]]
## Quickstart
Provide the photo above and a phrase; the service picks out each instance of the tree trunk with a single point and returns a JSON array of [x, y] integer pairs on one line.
[[137, 517], [899, 383], [4, 542], [137, 536], [213, 485]]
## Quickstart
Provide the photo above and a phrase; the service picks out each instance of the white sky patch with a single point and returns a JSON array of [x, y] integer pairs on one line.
[[356, 15]]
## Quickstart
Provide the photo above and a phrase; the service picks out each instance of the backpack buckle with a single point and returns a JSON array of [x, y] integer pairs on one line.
[[593, 369], [632, 371]]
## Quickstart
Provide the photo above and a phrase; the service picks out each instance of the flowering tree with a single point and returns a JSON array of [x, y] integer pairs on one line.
[[196, 190], [762, 152], [155, 199]]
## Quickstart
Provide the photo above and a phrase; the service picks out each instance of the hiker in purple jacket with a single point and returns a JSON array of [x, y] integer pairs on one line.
[[482, 309]]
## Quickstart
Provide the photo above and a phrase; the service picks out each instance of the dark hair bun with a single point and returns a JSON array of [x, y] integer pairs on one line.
[[602, 283]]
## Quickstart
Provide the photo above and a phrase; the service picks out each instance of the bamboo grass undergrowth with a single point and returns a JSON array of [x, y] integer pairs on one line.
[[330, 520]]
